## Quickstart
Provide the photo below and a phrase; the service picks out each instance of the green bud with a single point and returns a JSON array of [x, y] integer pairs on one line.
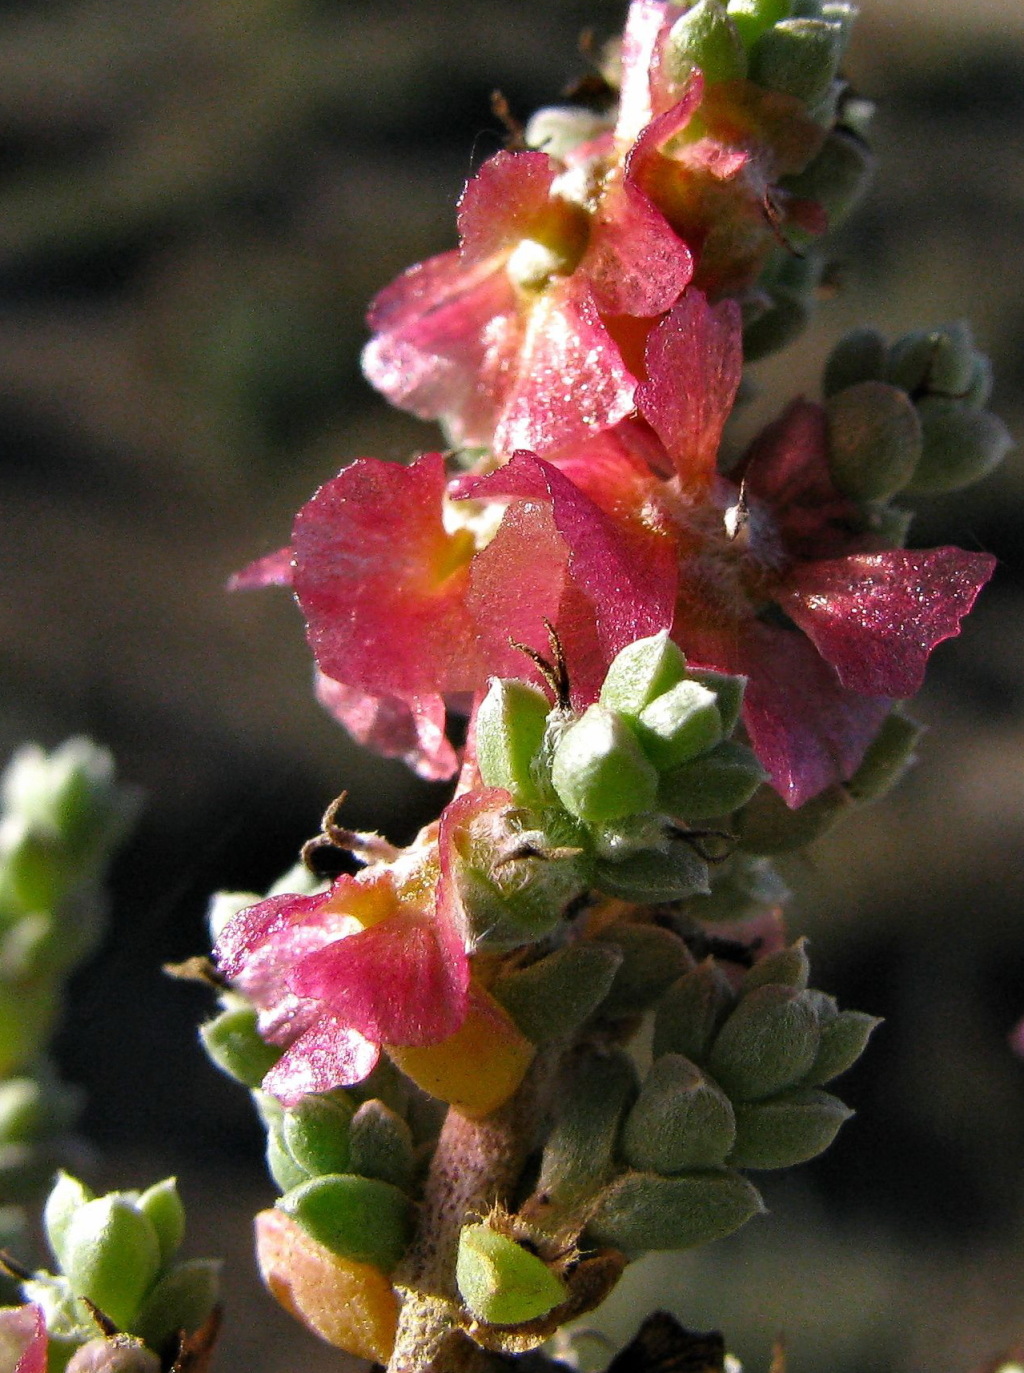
[[599, 771], [787, 967], [652, 959], [510, 727], [282, 1167], [181, 1300], [501, 1282], [799, 57], [787, 1130], [358, 1218], [843, 1040], [680, 1121], [233, 1043], [315, 1133], [112, 1256], [641, 1211], [578, 1155], [514, 898], [767, 825], [705, 37], [553, 998], [874, 440], [728, 688], [752, 17], [928, 360], [960, 447], [669, 873], [67, 1196], [717, 783], [162, 1206], [888, 756], [860, 355], [641, 672], [678, 725], [382, 1145], [691, 1012], [768, 1043]]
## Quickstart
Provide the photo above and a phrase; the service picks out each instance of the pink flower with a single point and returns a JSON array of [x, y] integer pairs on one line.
[[23, 1339], [375, 960]]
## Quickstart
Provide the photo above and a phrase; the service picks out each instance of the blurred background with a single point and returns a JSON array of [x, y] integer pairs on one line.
[[197, 199]]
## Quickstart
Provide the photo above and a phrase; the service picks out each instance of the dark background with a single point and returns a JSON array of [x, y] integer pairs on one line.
[[196, 202]]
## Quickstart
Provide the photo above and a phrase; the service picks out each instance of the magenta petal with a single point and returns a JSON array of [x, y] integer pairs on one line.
[[694, 365], [636, 264], [23, 1339], [412, 730], [877, 616], [383, 597], [253, 927], [570, 379], [402, 981], [273, 570], [503, 202], [329, 1054]]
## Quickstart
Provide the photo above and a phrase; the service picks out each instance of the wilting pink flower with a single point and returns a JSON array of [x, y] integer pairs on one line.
[[370, 962], [23, 1339]]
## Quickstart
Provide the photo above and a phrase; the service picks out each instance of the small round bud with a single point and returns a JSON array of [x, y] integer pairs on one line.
[[692, 1011], [716, 783], [381, 1145], [680, 1121], [874, 440], [501, 1282], [599, 771], [641, 1211], [163, 1207], [315, 1133], [705, 37], [640, 672], [799, 57], [359, 1218], [768, 1043], [678, 725], [934, 360], [234, 1044], [960, 447], [510, 726], [112, 1256], [787, 1130], [859, 356]]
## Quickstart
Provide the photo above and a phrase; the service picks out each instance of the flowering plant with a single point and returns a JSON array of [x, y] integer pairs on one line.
[[559, 1028]]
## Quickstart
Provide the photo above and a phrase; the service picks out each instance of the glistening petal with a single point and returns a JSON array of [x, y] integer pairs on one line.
[[330, 1054]]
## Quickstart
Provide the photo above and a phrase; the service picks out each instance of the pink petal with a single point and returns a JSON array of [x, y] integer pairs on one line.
[[877, 616], [644, 23], [694, 365], [261, 924], [23, 1339], [273, 570], [503, 202], [635, 263], [330, 1054], [644, 158], [569, 378], [402, 981], [410, 729], [446, 337], [382, 584]]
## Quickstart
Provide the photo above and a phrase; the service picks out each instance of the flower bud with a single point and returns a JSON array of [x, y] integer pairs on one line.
[[705, 37], [641, 1211], [116, 1354], [163, 1208], [552, 998], [836, 178], [860, 355], [843, 1040], [601, 1086], [599, 771], [111, 1255], [752, 17], [351, 1305], [381, 1145], [501, 1282], [67, 1196], [941, 360], [787, 967], [787, 1130], [181, 1300], [960, 447], [652, 959], [359, 1218], [234, 1044], [691, 1012], [768, 1043], [798, 57], [874, 440], [680, 1121], [716, 783], [678, 725], [315, 1132], [510, 726], [640, 672], [728, 688]]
